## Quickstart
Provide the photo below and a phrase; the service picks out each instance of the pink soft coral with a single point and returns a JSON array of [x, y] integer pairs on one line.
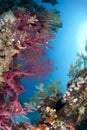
[[30, 40]]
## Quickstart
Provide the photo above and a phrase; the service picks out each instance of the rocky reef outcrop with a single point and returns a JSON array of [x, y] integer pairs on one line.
[[68, 111]]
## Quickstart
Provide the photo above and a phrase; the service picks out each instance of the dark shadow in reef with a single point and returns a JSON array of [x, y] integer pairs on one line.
[[83, 126]]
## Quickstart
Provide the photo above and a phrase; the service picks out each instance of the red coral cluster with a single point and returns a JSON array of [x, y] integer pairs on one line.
[[31, 41], [9, 104], [9, 109], [33, 36]]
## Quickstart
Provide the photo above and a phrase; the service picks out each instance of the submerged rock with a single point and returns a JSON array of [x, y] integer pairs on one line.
[[74, 106]]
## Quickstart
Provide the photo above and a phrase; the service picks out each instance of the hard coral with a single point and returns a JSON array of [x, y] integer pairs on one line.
[[73, 111], [41, 127]]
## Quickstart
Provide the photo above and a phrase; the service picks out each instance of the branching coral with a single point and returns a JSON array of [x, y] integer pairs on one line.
[[52, 90], [53, 20], [80, 64]]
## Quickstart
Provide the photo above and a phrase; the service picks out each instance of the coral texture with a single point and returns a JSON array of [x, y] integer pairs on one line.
[[23, 44], [67, 111]]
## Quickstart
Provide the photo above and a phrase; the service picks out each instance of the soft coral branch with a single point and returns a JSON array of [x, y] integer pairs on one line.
[[23, 37], [12, 80]]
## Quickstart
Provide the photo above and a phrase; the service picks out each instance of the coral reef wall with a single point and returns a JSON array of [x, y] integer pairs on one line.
[[24, 38], [68, 111]]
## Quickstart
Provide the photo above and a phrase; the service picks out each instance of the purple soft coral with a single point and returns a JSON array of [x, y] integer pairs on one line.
[[30, 41]]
